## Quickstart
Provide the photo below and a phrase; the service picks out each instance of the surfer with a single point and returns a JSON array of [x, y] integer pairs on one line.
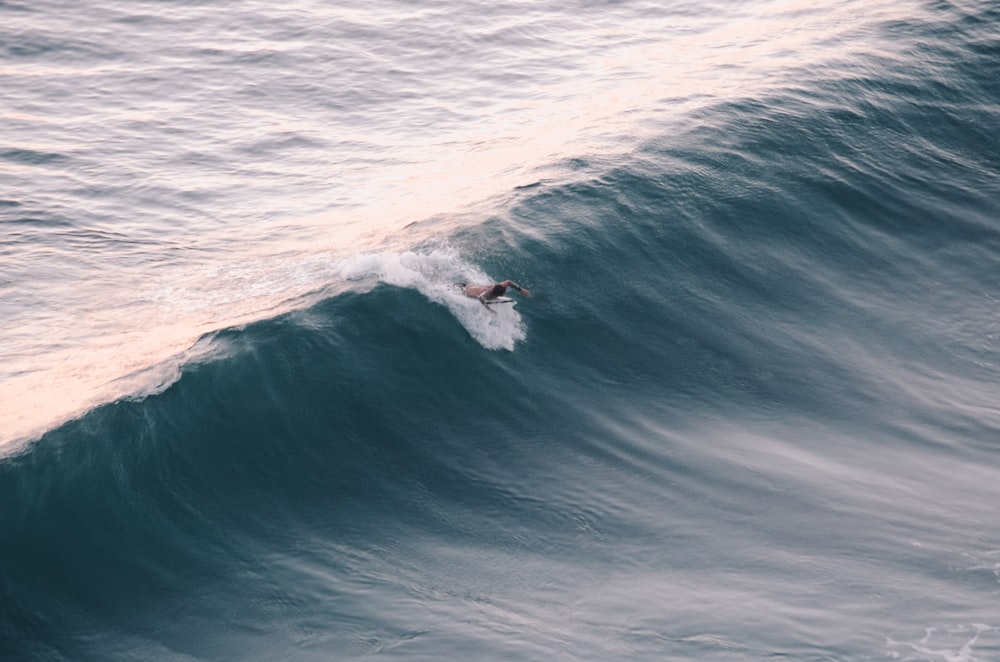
[[487, 293]]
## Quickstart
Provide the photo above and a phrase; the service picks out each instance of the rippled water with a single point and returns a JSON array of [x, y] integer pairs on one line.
[[198, 164]]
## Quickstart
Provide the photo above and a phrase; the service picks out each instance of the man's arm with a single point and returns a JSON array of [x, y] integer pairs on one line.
[[510, 283]]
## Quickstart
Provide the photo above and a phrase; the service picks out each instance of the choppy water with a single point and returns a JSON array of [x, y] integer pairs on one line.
[[749, 412]]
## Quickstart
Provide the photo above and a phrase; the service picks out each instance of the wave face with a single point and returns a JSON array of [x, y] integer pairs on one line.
[[749, 410]]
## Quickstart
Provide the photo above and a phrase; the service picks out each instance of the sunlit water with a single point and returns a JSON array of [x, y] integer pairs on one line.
[[173, 168]]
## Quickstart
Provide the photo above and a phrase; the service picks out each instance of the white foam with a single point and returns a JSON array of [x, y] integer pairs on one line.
[[436, 274], [949, 644]]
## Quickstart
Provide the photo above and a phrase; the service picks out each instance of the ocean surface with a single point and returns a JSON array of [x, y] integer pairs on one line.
[[751, 410]]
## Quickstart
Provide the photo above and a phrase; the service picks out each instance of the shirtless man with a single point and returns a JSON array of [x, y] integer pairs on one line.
[[487, 293]]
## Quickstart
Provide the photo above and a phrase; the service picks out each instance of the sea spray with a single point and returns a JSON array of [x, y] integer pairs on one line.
[[438, 275]]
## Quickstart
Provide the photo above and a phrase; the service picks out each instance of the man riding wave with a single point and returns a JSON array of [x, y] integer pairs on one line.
[[488, 293]]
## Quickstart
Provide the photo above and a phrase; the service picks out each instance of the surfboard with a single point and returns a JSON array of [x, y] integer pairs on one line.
[[490, 302]]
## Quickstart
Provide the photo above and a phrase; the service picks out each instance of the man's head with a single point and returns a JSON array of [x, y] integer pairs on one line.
[[498, 290]]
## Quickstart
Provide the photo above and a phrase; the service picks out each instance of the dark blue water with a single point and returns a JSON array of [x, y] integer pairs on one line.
[[749, 412]]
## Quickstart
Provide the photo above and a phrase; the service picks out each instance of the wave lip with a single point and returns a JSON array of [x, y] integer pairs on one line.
[[146, 362]]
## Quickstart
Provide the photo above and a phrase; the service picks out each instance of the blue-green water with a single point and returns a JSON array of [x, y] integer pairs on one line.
[[749, 412]]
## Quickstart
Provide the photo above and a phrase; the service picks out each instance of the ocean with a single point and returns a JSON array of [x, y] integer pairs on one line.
[[749, 411]]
